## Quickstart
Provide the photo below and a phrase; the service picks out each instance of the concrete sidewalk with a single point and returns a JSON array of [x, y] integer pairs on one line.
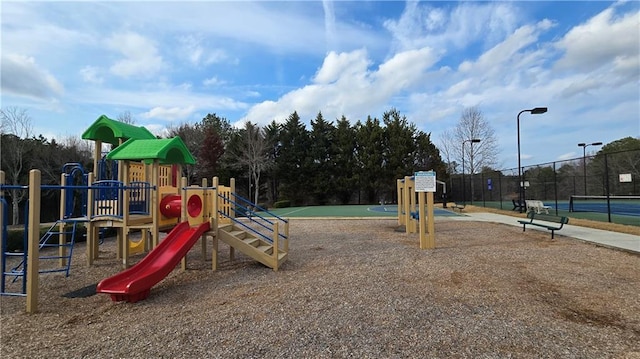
[[622, 241]]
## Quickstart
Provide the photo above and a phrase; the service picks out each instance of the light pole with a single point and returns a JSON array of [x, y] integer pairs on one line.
[[533, 111], [584, 160], [472, 141]]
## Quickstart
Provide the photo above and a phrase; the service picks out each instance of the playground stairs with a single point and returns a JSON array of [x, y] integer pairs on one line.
[[255, 245], [47, 246]]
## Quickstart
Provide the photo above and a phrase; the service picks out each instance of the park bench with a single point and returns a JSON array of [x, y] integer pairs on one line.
[[537, 206], [459, 207], [548, 221], [517, 205]]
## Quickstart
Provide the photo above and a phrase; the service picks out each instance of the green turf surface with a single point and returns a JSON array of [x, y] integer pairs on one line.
[[347, 211]]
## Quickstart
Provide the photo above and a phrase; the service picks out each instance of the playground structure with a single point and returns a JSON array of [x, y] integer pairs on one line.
[[146, 197], [415, 209], [65, 228]]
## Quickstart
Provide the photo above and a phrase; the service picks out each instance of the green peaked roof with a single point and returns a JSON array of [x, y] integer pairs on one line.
[[165, 150], [111, 131]]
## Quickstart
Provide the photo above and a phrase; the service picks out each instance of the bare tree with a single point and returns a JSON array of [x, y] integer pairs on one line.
[[126, 117], [254, 155], [476, 156], [447, 150], [16, 128]]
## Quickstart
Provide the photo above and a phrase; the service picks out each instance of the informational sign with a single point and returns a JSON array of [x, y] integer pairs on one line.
[[425, 181], [625, 177], [489, 184]]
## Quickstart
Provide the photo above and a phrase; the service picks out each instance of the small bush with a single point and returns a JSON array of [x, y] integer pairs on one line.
[[282, 204]]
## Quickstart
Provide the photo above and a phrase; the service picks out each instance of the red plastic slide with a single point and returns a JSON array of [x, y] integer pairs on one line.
[[135, 283]]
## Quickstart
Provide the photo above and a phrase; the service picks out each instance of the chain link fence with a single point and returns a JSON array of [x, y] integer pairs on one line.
[[594, 183]]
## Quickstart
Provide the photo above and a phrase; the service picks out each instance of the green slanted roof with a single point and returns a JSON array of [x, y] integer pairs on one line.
[[165, 150], [111, 131]]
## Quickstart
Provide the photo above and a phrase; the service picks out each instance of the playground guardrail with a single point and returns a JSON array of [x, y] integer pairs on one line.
[[248, 208]]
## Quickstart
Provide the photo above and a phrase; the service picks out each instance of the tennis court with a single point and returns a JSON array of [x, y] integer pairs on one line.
[[354, 211], [621, 205], [622, 211]]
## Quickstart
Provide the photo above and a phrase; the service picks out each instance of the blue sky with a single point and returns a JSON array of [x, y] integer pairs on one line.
[[169, 63]]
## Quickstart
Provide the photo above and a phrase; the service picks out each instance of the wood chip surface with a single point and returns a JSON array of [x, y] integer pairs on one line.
[[352, 289]]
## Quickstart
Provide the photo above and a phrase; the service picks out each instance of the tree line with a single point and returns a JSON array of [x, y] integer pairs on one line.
[[328, 163]]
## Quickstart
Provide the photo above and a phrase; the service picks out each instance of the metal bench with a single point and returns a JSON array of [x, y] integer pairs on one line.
[[548, 221], [459, 207], [517, 205]]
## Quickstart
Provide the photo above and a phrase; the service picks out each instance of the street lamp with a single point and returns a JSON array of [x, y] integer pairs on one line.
[[584, 160], [472, 141], [533, 111]]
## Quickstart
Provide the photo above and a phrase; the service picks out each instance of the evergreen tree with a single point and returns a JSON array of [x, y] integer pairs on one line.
[[321, 153], [344, 160]]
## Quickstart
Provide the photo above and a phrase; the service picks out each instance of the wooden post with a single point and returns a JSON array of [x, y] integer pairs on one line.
[[205, 208], [214, 224], [232, 213], [286, 234], [33, 260], [183, 214], [232, 186], [406, 200], [276, 235], [431, 239], [422, 213], [91, 230], [155, 205], [399, 188]]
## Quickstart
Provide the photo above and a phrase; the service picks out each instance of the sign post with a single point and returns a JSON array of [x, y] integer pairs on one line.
[[425, 186]]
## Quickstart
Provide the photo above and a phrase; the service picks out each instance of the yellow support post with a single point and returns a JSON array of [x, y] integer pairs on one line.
[[276, 234], [183, 215], [431, 228], [400, 189], [422, 213], [33, 260], [214, 224], [205, 208], [155, 207], [232, 213], [92, 231]]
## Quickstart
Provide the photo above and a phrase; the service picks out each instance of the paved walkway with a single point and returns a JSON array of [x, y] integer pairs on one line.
[[622, 241]]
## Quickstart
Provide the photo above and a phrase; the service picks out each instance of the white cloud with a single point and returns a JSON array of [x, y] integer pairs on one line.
[[141, 58], [165, 103], [336, 66], [199, 54], [158, 129], [330, 24], [213, 81], [344, 85], [22, 76], [604, 40], [91, 74], [424, 25], [567, 156], [172, 113]]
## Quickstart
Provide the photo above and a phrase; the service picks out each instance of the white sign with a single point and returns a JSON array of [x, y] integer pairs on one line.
[[625, 177], [425, 181]]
